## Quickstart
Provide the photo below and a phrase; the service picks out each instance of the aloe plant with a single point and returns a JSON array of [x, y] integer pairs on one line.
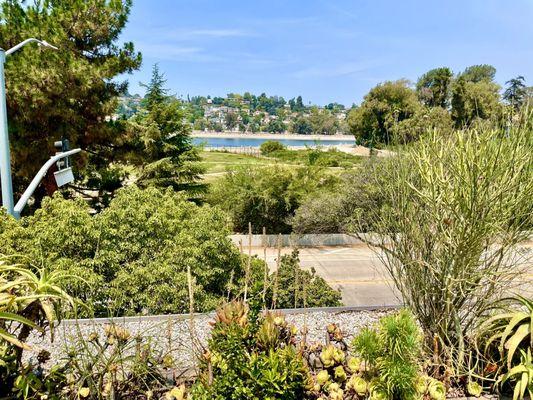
[[511, 331], [522, 375]]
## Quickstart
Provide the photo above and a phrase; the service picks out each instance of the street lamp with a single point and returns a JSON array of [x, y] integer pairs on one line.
[[5, 158]]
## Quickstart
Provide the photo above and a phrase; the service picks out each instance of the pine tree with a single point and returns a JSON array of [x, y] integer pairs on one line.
[[159, 141], [516, 92], [67, 93]]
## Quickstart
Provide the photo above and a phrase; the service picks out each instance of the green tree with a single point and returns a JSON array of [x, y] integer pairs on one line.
[[301, 125], [386, 105], [158, 141], [478, 73], [276, 126], [515, 94], [156, 93], [69, 92], [231, 119], [424, 120], [474, 100], [433, 88], [322, 121]]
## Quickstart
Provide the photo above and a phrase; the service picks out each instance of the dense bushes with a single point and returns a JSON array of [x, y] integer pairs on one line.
[[266, 197], [270, 146], [351, 206], [293, 287], [133, 256]]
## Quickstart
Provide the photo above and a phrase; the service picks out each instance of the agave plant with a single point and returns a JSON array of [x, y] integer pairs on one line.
[[511, 331]]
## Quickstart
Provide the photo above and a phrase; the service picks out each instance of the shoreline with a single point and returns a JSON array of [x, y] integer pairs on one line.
[[274, 136]]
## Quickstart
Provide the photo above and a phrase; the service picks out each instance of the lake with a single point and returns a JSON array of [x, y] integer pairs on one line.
[[256, 142]]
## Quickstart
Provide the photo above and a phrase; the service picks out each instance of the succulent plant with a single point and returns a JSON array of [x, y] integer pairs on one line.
[[354, 364], [474, 389], [176, 393], [422, 384], [340, 374], [233, 312], [322, 377], [358, 385], [378, 393], [436, 390]]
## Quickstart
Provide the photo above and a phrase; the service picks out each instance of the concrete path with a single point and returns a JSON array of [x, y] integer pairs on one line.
[[356, 270]]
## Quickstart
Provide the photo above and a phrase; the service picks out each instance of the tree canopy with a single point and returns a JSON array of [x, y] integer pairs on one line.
[[66, 93], [386, 105]]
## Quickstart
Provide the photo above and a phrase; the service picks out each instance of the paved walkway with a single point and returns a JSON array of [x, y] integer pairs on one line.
[[355, 270]]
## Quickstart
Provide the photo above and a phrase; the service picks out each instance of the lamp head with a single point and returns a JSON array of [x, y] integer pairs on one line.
[[44, 43]]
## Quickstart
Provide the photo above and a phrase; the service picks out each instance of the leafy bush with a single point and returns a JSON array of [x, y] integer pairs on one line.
[[456, 206], [271, 146], [250, 357], [318, 156], [351, 205], [266, 196], [133, 256]]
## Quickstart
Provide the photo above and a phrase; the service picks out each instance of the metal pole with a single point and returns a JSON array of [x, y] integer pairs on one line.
[[38, 178], [5, 158]]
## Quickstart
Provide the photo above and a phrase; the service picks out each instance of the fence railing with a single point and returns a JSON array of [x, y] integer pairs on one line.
[[248, 150]]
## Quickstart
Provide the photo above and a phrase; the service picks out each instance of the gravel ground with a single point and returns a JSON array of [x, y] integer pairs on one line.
[[173, 332]]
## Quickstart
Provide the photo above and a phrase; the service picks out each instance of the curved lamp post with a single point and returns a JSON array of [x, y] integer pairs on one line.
[[5, 158]]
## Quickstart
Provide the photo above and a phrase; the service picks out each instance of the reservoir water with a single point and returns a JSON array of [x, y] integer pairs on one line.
[[256, 142]]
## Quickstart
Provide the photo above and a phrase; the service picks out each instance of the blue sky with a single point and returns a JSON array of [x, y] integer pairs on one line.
[[324, 50]]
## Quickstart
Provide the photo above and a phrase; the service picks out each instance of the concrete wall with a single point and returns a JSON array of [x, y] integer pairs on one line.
[[310, 240]]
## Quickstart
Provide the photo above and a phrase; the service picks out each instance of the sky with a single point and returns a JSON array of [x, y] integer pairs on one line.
[[324, 50]]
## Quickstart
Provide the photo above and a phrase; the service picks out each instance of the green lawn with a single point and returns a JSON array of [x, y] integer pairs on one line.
[[217, 163]]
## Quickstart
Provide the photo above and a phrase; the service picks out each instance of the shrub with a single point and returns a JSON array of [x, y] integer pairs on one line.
[[271, 146], [351, 205], [456, 206], [266, 196], [250, 357], [133, 256], [391, 353]]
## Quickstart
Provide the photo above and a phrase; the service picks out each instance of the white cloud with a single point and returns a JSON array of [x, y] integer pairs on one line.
[[332, 71]]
